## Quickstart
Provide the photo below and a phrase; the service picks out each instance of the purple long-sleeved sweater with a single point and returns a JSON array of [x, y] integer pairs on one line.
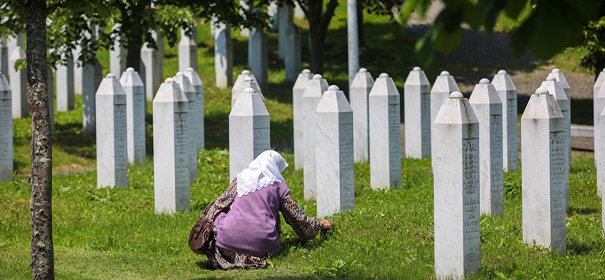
[[252, 225]]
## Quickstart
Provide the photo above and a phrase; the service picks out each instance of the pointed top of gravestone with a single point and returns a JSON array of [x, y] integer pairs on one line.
[[445, 83], [302, 79], [541, 90], [601, 92], [550, 78], [170, 91], [383, 75], [333, 101], [456, 110], [417, 78], [246, 72], [111, 86], [384, 86], [362, 79], [542, 106], [316, 87], [555, 89], [249, 103], [560, 78], [238, 87], [306, 71], [194, 78], [248, 79], [503, 82], [556, 70], [131, 78], [456, 94], [185, 84], [4, 86], [600, 79], [17, 54], [485, 93]]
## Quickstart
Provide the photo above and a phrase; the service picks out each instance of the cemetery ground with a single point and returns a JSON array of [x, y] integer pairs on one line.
[[115, 234]]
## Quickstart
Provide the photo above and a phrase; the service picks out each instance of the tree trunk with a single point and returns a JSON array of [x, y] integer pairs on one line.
[[133, 32], [133, 56], [41, 144], [318, 28]]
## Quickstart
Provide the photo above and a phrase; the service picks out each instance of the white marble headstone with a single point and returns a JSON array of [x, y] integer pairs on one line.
[[508, 96], [543, 170], [311, 97], [188, 49], [297, 110], [150, 59], [65, 86], [197, 84], [257, 55], [359, 95], [442, 88], [170, 149], [334, 154], [117, 56], [191, 95], [285, 16], [249, 133], [244, 81], [598, 83], [112, 143], [92, 74], [455, 159], [488, 110], [601, 168], [18, 82], [223, 56], [417, 101], [385, 134], [135, 115], [554, 88], [6, 131], [292, 59], [599, 148]]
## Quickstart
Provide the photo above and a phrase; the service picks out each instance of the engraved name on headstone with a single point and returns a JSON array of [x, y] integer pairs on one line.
[[508, 96], [197, 84], [191, 95]]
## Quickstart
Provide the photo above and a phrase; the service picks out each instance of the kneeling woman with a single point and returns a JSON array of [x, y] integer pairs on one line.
[[246, 218]]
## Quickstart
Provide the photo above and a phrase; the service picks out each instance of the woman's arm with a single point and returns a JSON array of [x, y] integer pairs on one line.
[[304, 226], [223, 202]]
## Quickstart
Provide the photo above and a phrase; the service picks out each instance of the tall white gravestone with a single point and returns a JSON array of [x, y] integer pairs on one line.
[[385, 134], [248, 131], [14, 42], [191, 95], [334, 154], [311, 97], [599, 148], [488, 110], [257, 55], [598, 83], [508, 96], [197, 84], [65, 86], [112, 143], [246, 81], [292, 58], [3, 56], [92, 74], [543, 170], [601, 168], [417, 102], [559, 77], [117, 56], [359, 95], [455, 157], [297, 111], [170, 149], [18, 84], [223, 56], [285, 16], [188, 49], [135, 115], [555, 90], [442, 88], [152, 61], [6, 131]]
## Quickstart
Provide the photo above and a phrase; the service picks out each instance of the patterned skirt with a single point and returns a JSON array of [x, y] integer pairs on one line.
[[227, 259]]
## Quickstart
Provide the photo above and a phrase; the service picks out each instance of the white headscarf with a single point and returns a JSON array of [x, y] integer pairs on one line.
[[262, 171]]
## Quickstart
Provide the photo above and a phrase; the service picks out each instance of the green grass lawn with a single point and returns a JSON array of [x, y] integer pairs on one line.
[[115, 234]]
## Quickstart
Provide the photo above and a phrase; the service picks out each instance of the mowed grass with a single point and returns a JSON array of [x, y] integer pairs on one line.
[[115, 234]]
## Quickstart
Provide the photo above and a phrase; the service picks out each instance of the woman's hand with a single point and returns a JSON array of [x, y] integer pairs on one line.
[[325, 224]]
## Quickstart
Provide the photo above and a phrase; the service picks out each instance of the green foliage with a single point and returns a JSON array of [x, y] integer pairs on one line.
[[594, 42]]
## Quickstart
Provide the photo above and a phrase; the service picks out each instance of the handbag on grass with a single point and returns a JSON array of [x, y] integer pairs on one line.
[[201, 237]]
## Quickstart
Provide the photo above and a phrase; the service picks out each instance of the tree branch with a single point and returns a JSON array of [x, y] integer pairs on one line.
[[327, 16], [52, 8], [303, 7]]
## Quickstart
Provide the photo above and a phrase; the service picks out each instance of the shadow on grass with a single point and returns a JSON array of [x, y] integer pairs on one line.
[[574, 210], [70, 138]]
